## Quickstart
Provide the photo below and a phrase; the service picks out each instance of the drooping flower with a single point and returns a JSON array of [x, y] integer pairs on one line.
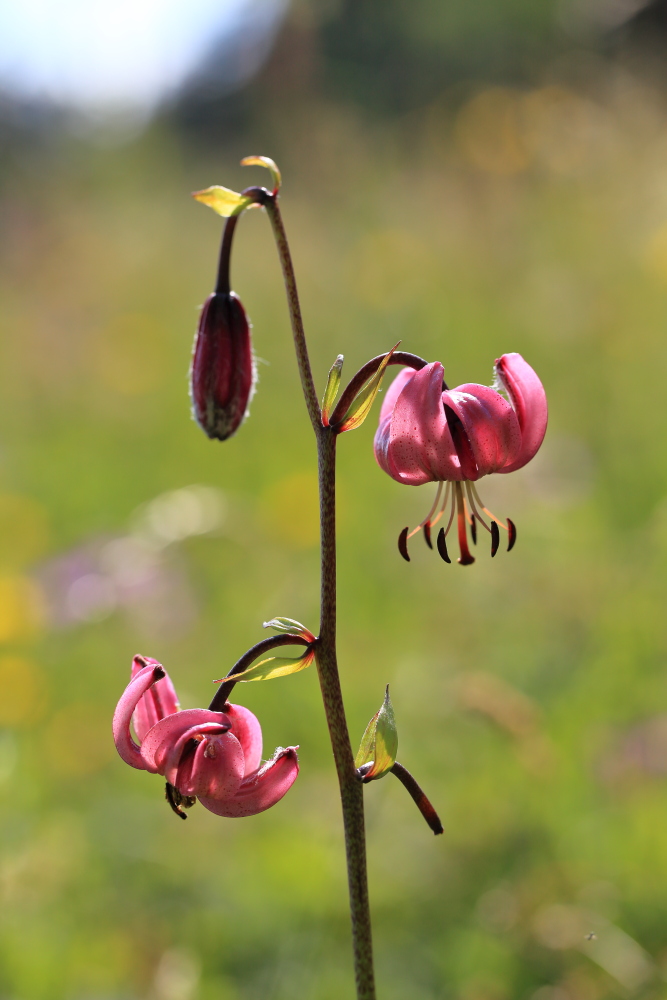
[[222, 374], [429, 433], [212, 756]]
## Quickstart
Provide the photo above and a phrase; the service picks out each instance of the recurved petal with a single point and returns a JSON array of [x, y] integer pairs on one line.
[[212, 766], [247, 730], [529, 401], [160, 700], [160, 740], [418, 447], [382, 435], [487, 434], [261, 790], [394, 391], [135, 690]]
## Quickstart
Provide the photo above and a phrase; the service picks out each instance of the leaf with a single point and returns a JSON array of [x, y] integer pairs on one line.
[[331, 391], [379, 744], [222, 200], [290, 627], [264, 161], [361, 405], [273, 666]]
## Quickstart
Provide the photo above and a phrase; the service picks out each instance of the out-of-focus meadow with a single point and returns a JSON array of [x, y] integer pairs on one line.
[[530, 691]]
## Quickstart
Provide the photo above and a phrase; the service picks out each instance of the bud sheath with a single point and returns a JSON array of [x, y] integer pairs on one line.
[[223, 370]]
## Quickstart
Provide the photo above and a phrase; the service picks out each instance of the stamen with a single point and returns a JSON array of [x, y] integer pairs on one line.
[[442, 546], [445, 501], [511, 528], [495, 538], [488, 513], [403, 544], [473, 529], [426, 527], [174, 798], [477, 514], [465, 559], [427, 520]]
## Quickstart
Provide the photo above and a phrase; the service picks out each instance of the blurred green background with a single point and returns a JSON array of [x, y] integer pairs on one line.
[[471, 182]]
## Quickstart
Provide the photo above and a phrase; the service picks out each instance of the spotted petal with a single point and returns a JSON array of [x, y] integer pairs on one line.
[[261, 790], [415, 446], [247, 730], [160, 740], [135, 690], [484, 428]]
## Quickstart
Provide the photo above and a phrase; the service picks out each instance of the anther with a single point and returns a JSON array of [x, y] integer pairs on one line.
[[442, 546], [495, 538], [511, 531], [173, 797], [426, 528], [403, 544], [473, 529]]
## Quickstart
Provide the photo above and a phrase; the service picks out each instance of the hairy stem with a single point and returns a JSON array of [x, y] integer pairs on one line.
[[298, 331], [351, 788]]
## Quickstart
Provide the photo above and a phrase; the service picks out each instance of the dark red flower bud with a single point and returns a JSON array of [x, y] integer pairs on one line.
[[222, 376]]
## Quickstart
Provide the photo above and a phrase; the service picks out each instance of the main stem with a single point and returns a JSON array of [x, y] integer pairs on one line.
[[351, 787]]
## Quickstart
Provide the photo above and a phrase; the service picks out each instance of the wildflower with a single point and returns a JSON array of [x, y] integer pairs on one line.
[[222, 374], [212, 756], [429, 433]]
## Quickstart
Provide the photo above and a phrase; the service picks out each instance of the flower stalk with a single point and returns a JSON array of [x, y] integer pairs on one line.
[[350, 784]]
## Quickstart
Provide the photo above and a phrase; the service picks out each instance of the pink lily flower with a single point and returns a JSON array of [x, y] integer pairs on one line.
[[212, 756], [429, 433]]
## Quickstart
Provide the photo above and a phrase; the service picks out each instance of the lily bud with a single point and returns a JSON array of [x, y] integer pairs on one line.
[[222, 375]]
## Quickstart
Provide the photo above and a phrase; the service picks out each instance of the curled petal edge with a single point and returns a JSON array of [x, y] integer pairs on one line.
[[529, 402], [135, 690], [261, 790]]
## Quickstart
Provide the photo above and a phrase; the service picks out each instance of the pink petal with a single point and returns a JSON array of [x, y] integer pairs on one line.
[[261, 790], [488, 435], [214, 767], [382, 435], [417, 447], [134, 691], [161, 738], [159, 700], [529, 400], [247, 730]]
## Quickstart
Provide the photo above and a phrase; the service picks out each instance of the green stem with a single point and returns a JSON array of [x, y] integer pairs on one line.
[[351, 788]]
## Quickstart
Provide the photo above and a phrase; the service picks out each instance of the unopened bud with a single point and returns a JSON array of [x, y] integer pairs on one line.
[[222, 376]]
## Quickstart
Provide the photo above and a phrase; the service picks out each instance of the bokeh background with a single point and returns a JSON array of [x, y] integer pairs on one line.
[[470, 179]]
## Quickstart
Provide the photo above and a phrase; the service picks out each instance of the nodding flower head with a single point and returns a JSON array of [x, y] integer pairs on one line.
[[211, 756], [429, 433]]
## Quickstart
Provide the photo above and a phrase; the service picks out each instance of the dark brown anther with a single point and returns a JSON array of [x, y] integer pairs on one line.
[[426, 528], [511, 530], [442, 546], [473, 529], [495, 538], [175, 800], [403, 544]]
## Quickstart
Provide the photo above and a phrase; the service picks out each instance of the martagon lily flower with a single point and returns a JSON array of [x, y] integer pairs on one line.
[[211, 756], [429, 433]]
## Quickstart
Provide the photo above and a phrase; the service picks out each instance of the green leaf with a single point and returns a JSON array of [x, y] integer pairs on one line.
[[331, 391], [361, 405], [379, 744], [264, 161], [222, 200], [289, 626], [274, 666]]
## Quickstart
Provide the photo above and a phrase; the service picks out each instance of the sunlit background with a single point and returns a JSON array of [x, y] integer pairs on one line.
[[470, 179]]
